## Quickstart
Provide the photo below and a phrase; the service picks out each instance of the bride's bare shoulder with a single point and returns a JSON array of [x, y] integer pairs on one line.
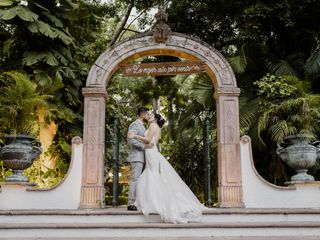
[[155, 127]]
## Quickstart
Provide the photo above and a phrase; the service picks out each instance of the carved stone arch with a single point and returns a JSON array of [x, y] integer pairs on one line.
[[179, 45], [226, 95]]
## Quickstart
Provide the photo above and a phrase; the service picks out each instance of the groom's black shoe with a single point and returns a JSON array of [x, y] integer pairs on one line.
[[132, 208]]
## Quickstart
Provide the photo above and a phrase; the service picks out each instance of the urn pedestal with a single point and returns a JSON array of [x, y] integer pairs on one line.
[[18, 153]]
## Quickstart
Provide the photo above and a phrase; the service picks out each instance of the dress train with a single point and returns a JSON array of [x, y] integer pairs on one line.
[[161, 190]]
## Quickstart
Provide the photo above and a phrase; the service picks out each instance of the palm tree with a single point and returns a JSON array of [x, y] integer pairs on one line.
[[19, 103], [282, 108], [276, 121]]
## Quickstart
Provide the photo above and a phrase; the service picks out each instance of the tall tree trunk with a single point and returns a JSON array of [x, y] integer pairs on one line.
[[155, 101], [123, 24], [156, 105], [170, 118]]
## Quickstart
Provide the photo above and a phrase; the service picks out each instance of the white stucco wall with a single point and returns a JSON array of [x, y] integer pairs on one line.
[[258, 193], [66, 195]]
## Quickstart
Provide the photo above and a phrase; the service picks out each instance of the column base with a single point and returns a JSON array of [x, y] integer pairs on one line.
[[231, 205], [230, 196], [92, 197]]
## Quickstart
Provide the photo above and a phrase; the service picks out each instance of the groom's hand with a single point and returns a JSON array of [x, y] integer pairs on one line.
[[149, 145]]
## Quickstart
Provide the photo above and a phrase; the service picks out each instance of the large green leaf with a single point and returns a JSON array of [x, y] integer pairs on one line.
[[57, 22], [64, 37], [282, 67], [34, 27], [7, 45], [30, 58], [26, 14], [238, 63], [42, 78], [66, 147], [313, 64], [70, 3], [6, 3], [43, 28], [22, 12], [49, 31], [280, 130], [50, 59], [8, 14], [203, 91], [59, 56], [46, 29]]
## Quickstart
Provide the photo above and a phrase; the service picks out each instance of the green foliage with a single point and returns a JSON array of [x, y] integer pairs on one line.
[[275, 88], [46, 177], [4, 172], [54, 44], [6, 3], [186, 155], [283, 107], [203, 90], [185, 149], [18, 11], [19, 102], [312, 66], [239, 62]]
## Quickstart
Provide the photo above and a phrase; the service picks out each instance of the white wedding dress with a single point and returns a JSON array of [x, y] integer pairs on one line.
[[161, 190]]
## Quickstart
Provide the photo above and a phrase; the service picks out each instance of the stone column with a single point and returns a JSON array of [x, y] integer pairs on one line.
[[228, 138], [92, 190]]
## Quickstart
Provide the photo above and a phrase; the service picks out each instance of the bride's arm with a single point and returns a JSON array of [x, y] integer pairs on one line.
[[148, 138]]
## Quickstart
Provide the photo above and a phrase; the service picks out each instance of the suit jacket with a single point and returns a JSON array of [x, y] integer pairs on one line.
[[136, 147]]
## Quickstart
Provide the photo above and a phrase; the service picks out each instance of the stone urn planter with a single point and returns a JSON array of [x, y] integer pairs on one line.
[[18, 153], [299, 154]]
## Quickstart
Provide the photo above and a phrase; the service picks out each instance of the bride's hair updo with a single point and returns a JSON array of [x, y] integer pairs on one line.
[[160, 120]]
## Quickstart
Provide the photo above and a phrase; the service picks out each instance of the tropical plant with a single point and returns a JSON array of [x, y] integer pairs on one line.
[[19, 103], [283, 107], [55, 44]]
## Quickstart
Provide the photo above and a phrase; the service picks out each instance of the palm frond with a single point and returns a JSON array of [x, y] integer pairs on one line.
[[188, 118], [238, 63], [19, 103], [282, 67], [203, 91], [248, 112], [312, 67], [255, 135], [280, 130]]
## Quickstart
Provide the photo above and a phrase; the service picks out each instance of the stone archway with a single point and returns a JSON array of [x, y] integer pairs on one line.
[[226, 96]]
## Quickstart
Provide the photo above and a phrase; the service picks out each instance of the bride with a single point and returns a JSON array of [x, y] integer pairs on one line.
[[160, 189]]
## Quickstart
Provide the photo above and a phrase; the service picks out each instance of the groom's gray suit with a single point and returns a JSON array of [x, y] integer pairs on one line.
[[136, 157]]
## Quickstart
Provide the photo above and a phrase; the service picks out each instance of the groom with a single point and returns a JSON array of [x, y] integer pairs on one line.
[[137, 154]]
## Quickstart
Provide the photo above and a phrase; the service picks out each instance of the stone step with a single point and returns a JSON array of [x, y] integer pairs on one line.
[[159, 225], [158, 230], [120, 215], [119, 224], [185, 238]]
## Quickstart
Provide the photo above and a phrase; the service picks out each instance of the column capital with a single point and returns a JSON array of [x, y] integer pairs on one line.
[[94, 92], [227, 91]]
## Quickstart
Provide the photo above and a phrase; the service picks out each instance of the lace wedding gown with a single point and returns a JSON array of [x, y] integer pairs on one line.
[[161, 190]]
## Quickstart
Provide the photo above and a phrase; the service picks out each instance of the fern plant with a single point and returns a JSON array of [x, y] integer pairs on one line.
[[19, 102], [281, 109]]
